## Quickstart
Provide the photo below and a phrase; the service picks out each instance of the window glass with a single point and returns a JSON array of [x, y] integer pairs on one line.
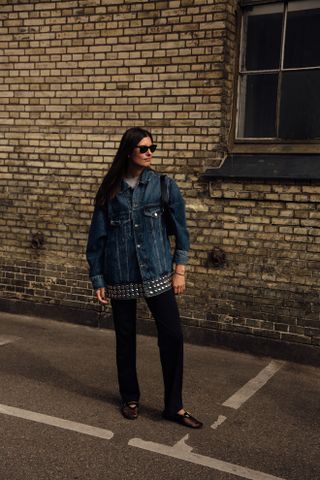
[[300, 105], [279, 75], [263, 37], [302, 44], [258, 115]]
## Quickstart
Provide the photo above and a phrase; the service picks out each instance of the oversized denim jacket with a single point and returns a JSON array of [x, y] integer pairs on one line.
[[128, 243]]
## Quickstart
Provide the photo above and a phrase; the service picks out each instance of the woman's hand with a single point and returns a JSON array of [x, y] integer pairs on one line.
[[101, 296], [178, 283], [179, 279]]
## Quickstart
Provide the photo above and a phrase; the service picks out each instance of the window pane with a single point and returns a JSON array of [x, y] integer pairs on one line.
[[302, 47], [258, 111], [300, 105], [263, 37]]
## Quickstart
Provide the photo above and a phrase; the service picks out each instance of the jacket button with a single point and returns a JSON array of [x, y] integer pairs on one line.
[[136, 225], [139, 245]]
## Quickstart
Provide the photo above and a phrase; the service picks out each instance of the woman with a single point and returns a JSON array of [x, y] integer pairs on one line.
[[128, 252]]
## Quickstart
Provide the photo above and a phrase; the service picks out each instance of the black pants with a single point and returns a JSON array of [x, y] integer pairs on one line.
[[170, 341]]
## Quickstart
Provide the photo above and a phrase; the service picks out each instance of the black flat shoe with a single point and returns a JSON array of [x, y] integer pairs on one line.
[[186, 419], [130, 410]]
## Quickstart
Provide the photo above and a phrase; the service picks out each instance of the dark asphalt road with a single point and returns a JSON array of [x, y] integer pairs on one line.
[[68, 371]]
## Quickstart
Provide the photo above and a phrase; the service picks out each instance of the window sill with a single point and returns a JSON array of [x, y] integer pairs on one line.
[[257, 146], [267, 167]]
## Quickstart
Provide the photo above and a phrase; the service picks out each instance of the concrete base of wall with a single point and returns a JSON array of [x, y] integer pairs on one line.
[[257, 345]]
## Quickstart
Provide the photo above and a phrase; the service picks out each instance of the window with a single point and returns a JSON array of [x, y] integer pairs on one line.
[[279, 74]]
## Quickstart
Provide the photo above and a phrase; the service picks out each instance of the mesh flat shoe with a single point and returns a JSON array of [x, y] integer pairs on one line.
[[186, 419]]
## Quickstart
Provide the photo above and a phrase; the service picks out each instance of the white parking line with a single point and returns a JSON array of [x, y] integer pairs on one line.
[[251, 387], [182, 451], [218, 422], [56, 422], [4, 339]]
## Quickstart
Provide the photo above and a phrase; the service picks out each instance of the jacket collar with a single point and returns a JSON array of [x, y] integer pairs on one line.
[[144, 178], [146, 175]]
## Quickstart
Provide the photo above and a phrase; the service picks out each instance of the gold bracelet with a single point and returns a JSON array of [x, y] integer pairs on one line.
[[182, 274]]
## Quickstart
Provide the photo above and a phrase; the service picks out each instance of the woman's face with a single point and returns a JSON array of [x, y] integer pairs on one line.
[[139, 159]]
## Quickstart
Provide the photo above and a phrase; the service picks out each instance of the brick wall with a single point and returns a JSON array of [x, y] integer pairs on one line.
[[74, 76], [269, 283]]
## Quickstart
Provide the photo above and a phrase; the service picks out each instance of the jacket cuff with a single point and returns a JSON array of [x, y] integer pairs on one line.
[[180, 257], [97, 281]]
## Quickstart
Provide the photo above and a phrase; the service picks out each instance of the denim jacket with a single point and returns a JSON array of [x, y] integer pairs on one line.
[[128, 243]]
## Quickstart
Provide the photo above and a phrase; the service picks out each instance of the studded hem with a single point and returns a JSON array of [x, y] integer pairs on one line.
[[149, 288]]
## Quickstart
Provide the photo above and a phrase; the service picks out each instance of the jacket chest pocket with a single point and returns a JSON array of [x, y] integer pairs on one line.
[[153, 217], [119, 228]]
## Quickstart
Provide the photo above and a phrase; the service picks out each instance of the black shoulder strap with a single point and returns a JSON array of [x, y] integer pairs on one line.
[[164, 190]]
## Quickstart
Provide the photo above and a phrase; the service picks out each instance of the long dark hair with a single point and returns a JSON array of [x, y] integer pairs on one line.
[[110, 185]]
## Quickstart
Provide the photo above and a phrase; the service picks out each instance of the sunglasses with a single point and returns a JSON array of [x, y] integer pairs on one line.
[[145, 148]]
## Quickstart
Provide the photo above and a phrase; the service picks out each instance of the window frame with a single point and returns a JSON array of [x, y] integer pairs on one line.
[[259, 145]]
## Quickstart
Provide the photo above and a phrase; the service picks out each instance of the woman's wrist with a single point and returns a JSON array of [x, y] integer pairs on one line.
[[180, 270]]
